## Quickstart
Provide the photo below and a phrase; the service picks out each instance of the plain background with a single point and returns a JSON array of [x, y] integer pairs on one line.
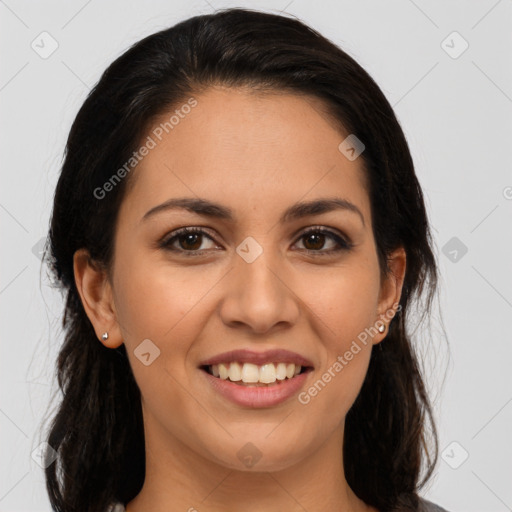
[[456, 111]]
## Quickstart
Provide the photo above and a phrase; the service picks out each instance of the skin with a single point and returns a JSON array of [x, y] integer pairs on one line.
[[256, 154]]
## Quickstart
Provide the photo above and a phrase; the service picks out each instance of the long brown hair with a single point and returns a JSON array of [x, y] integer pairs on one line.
[[97, 429]]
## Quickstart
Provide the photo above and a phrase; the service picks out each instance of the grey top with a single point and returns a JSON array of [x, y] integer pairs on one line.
[[425, 506], [428, 506]]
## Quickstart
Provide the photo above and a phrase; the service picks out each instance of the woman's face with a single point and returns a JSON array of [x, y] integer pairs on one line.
[[249, 281]]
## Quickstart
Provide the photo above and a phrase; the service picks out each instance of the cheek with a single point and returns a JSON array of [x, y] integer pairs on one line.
[[160, 303], [165, 304], [153, 298], [346, 300], [345, 305]]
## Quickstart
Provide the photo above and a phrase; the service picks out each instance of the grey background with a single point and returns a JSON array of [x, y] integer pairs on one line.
[[456, 113]]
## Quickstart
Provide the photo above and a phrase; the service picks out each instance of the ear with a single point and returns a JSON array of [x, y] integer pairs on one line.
[[96, 294], [390, 292]]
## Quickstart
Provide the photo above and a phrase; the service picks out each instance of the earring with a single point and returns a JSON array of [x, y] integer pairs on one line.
[[382, 328], [105, 335]]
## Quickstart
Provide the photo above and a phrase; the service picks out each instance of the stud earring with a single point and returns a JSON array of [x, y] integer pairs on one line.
[[105, 335], [382, 328]]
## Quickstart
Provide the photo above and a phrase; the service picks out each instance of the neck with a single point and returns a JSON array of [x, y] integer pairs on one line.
[[180, 479]]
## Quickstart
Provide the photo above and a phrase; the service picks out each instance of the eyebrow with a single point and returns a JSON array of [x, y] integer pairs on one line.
[[298, 210]]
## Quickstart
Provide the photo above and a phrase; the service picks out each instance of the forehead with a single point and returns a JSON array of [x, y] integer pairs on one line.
[[245, 149]]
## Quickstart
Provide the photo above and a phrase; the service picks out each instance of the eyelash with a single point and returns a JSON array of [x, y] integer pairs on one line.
[[343, 245]]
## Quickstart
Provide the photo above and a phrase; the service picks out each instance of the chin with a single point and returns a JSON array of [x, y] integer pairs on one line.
[[258, 455]]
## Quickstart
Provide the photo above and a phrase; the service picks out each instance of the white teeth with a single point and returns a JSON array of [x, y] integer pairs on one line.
[[281, 371], [235, 372], [252, 373], [268, 373], [223, 371]]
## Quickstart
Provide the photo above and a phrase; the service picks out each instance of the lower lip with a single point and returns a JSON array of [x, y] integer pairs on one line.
[[257, 396]]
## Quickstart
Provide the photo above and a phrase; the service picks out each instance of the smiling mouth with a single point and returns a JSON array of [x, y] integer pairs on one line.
[[251, 375]]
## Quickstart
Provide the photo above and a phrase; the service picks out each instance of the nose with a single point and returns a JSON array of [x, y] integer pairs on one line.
[[259, 297]]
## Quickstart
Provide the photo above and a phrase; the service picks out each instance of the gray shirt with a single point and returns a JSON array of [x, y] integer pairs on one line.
[[428, 506], [425, 506]]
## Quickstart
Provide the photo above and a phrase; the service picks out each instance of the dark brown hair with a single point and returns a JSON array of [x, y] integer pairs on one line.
[[97, 429]]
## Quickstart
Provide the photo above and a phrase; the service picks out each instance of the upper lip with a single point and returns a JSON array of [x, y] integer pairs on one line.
[[258, 358]]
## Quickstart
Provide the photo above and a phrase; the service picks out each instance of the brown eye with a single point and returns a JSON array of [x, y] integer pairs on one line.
[[314, 239], [186, 241], [190, 241]]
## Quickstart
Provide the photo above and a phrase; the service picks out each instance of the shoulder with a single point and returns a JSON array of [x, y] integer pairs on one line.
[[423, 505], [427, 506]]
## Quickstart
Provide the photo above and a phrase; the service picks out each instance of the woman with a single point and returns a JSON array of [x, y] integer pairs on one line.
[[240, 234]]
